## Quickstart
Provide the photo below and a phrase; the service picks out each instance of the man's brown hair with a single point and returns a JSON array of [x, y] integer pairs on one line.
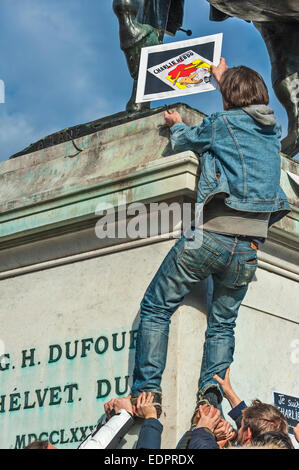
[[261, 418], [241, 87]]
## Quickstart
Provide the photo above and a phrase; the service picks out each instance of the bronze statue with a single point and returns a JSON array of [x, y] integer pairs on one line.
[[144, 22], [278, 23]]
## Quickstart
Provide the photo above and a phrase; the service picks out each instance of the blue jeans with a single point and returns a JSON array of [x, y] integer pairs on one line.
[[232, 263]]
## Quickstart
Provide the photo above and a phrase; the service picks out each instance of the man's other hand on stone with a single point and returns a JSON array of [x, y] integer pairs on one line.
[[172, 117]]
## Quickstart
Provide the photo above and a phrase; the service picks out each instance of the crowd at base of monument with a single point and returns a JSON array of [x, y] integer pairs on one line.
[[260, 425]]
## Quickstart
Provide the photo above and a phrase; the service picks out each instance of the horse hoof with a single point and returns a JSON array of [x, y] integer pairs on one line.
[[137, 107]]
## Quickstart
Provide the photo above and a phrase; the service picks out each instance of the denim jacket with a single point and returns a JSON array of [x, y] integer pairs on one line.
[[240, 157]]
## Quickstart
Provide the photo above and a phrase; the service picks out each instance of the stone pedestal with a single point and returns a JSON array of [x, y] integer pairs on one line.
[[70, 301]]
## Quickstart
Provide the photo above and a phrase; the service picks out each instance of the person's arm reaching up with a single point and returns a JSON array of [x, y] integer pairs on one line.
[[196, 138], [203, 436], [150, 433], [109, 435], [235, 402], [219, 70], [228, 390], [183, 137]]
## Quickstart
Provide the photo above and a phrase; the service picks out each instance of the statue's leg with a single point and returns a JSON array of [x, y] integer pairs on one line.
[[154, 38], [132, 106], [287, 91], [282, 42], [134, 36]]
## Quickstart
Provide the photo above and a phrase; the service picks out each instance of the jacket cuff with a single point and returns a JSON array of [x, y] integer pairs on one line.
[[177, 126], [124, 412], [153, 423], [205, 429], [203, 438], [236, 412]]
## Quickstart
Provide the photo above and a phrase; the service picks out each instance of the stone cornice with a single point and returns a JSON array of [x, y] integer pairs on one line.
[[53, 189]]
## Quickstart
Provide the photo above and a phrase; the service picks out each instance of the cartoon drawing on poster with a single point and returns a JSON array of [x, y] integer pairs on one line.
[[178, 68], [184, 71]]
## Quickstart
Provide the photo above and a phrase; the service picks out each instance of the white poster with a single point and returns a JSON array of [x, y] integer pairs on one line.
[[178, 69]]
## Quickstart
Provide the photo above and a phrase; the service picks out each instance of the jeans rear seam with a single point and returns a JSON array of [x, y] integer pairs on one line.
[[232, 253]]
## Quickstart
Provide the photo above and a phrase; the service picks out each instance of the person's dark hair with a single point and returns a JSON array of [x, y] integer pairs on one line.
[[262, 418], [277, 438], [38, 445], [241, 87]]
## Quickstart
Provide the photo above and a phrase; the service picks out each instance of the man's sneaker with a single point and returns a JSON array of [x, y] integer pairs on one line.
[[211, 397], [157, 402]]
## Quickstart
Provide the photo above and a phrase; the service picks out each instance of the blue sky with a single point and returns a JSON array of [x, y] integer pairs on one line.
[[52, 61]]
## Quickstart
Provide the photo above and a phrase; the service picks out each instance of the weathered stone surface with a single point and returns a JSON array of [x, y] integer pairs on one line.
[[113, 159]]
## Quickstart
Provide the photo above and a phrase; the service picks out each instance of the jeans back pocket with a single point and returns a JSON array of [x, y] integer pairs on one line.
[[246, 272], [199, 260]]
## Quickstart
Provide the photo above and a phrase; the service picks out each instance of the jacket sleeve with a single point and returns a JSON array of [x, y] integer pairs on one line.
[[150, 434], [236, 413], [203, 438], [109, 435], [185, 440], [196, 138]]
